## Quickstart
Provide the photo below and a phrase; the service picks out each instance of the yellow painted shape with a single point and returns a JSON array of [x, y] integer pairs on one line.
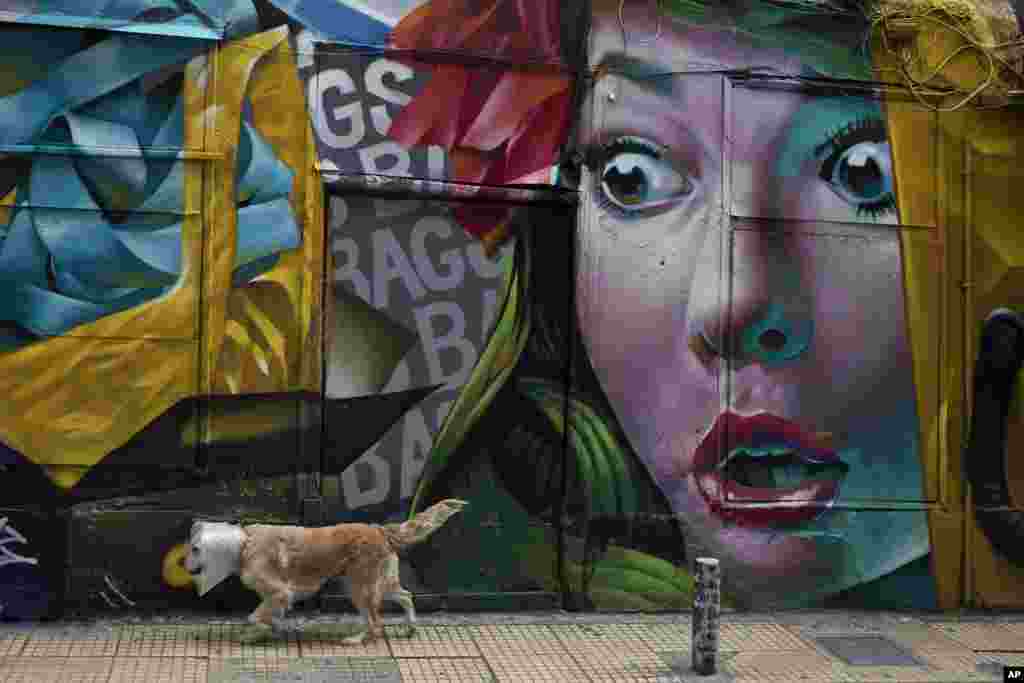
[[997, 583], [173, 571], [5, 206], [272, 317], [71, 400], [232, 68], [928, 167], [65, 476], [997, 224], [979, 191]]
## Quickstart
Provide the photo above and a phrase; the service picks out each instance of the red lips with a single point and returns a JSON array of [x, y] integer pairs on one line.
[[765, 441]]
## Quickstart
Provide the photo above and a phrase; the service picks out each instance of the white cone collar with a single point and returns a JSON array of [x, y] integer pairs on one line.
[[215, 547]]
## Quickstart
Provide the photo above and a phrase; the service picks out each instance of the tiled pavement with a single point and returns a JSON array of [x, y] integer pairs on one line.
[[787, 647]]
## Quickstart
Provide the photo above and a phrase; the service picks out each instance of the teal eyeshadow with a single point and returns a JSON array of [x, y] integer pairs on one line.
[[814, 122]]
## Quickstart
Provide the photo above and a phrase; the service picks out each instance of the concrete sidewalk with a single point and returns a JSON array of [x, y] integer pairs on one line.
[[788, 647]]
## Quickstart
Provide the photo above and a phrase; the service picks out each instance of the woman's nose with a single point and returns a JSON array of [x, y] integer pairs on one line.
[[761, 310]]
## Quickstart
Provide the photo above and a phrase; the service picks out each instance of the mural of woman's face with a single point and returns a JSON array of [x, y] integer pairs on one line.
[[740, 297]]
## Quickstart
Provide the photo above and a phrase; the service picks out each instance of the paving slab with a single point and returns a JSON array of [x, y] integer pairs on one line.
[[987, 636], [240, 640], [432, 641], [305, 670], [783, 667], [844, 621], [761, 637], [12, 645], [968, 666], [164, 641], [328, 640], [159, 670], [434, 669], [499, 640], [55, 669], [921, 636], [70, 644], [867, 650], [534, 667], [622, 664], [608, 637]]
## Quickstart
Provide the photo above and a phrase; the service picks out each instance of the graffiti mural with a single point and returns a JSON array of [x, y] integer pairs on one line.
[[643, 281], [765, 386]]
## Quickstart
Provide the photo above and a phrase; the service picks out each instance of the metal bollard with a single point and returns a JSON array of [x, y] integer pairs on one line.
[[707, 582]]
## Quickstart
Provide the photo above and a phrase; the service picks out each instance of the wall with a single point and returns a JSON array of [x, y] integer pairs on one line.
[[641, 283]]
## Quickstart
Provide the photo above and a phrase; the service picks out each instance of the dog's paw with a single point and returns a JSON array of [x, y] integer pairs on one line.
[[282, 630]]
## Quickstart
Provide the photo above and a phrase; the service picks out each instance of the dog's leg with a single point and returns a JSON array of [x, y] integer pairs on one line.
[[403, 598], [376, 622], [360, 597], [281, 602], [363, 636], [394, 592], [270, 613], [263, 614], [262, 618]]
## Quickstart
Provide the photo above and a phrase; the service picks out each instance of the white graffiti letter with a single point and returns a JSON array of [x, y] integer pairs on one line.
[[451, 259], [352, 113], [348, 271], [375, 86], [416, 442], [455, 340], [389, 263], [370, 157], [379, 475], [8, 535]]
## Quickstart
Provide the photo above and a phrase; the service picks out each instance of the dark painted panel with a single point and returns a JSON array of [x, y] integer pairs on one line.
[[33, 562]]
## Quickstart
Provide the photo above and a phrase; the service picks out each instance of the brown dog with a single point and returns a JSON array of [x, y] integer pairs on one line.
[[288, 563]]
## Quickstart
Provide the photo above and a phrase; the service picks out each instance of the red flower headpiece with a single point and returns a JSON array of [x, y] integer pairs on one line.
[[499, 126]]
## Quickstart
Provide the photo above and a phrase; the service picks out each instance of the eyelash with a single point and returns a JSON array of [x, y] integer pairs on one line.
[[866, 129]]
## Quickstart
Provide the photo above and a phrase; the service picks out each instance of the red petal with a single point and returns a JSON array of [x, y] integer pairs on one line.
[[479, 25], [540, 21], [421, 28], [432, 115], [496, 172], [469, 165], [515, 96], [481, 84], [537, 142], [479, 220]]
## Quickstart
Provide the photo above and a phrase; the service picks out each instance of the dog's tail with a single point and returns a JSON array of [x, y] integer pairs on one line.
[[417, 529]]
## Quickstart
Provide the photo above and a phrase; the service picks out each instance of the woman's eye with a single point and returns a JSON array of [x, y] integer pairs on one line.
[[858, 167], [634, 178], [863, 173]]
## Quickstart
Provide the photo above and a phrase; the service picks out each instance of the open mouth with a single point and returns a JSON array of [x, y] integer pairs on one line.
[[765, 471]]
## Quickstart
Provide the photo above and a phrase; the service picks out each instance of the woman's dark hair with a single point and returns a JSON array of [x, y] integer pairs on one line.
[[528, 454]]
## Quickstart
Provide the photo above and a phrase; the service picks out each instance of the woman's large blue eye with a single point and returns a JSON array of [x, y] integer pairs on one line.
[[635, 177], [858, 167], [863, 173]]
